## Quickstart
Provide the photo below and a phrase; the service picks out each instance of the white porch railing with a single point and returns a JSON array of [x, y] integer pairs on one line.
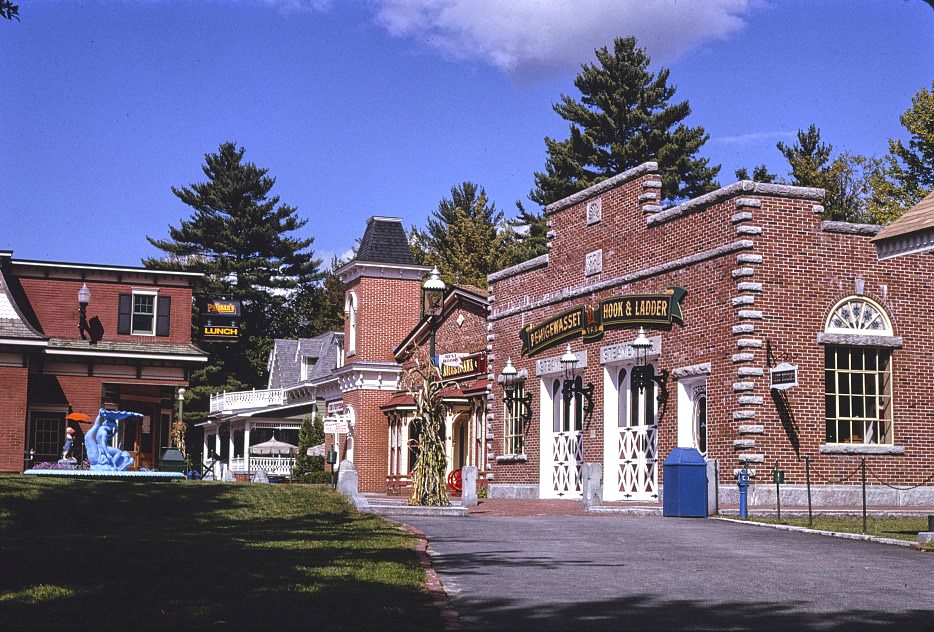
[[278, 465], [241, 400]]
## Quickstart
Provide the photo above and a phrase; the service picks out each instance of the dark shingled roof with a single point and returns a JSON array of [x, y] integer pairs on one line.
[[384, 241], [13, 323], [286, 358]]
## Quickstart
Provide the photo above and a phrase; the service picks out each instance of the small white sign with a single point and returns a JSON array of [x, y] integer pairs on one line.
[[452, 359], [335, 408], [783, 376], [336, 427]]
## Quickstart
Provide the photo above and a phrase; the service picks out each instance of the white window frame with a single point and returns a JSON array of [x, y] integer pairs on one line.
[[513, 440], [351, 305], [134, 331], [854, 388]]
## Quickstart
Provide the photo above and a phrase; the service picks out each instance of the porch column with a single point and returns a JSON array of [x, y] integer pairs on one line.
[[230, 448], [404, 448], [217, 443], [204, 447], [246, 446]]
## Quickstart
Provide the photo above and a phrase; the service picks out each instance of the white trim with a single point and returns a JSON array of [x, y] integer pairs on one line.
[[18, 341], [119, 354], [87, 266]]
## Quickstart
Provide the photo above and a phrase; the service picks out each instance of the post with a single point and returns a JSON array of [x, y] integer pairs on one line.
[[743, 487], [807, 479], [246, 447], [862, 467], [778, 492]]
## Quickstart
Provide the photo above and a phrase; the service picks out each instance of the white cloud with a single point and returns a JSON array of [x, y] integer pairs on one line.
[[751, 138], [537, 37]]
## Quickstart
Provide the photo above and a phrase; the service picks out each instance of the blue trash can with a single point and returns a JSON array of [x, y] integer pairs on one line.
[[685, 491]]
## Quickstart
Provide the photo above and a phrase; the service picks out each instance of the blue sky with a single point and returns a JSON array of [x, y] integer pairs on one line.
[[380, 107]]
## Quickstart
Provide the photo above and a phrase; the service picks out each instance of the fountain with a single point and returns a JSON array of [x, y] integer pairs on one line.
[[105, 460]]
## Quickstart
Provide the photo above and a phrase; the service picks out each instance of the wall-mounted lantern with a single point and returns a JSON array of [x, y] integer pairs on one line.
[[574, 385], [84, 297], [510, 383], [643, 374]]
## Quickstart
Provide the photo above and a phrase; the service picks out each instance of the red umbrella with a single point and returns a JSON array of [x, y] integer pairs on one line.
[[77, 417]]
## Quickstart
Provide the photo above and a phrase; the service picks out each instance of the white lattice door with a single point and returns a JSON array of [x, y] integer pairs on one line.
[[636, 452], [561, 445]]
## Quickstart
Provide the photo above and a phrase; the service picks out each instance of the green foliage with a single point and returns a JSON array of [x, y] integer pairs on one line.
[[463, 237], [309, 435], [316, 309], [624, 118], [760, 173], [530, 235], [908, 171], [423, 382], [846, 179], [238, 236], [8, 10]]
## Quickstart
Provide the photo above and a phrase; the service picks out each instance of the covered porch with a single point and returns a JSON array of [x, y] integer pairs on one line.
[[228, 443]]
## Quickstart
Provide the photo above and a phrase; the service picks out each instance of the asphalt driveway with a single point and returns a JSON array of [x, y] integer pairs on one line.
[[652, 573]]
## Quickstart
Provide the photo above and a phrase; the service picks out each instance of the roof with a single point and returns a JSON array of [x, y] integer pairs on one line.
[[13, 323], [457, 294], [915, 219], [384, 241], [126, 349], [285, 359]]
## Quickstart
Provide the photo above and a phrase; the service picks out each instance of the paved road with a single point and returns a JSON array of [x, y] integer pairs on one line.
[[650, 573]]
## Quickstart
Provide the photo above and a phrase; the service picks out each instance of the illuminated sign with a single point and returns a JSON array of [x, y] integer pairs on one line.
[[217, 307], [615, 312], [220, 321]]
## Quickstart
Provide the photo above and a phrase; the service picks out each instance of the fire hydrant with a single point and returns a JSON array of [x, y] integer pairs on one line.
[[743, 477]]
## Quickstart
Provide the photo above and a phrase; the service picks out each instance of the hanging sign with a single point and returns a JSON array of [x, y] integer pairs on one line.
[[615, 312], [336, 427], [335, 408], [458, 365], [783, 376], [220, 321]]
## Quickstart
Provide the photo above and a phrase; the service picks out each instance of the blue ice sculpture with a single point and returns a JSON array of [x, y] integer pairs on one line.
[[101, 454]]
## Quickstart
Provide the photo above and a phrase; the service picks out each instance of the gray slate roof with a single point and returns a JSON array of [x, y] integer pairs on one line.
[[384, 241], [183, 351], [285, 359]]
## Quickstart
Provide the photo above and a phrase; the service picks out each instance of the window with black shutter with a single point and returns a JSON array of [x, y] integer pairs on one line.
[[124, 314], [164, 309]]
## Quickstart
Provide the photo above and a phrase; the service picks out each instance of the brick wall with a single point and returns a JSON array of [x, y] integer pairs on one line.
[[387, 311], [55, 303], [720, 251], [13, 382]]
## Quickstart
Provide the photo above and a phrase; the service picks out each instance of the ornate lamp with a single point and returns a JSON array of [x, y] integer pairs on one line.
[[84, 297], [643, 375], [574, 386], [433, 290], [510, 381]]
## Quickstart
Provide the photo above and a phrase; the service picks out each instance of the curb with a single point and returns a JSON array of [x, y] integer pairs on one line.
[[832, 534], [439, 597]]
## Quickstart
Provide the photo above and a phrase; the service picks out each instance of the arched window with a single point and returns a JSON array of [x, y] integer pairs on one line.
[[700, 420], [350, 310], [858, 374]]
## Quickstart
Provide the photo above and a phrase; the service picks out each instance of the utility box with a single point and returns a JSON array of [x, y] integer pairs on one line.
[[685, 496], [172, 461]]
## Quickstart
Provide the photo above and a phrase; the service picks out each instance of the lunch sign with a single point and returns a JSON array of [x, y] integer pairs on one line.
[[615, 312]]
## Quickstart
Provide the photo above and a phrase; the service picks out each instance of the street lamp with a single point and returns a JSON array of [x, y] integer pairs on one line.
[[510, 383], [574, 386], [433, 290], [643, 374], [84, 297]]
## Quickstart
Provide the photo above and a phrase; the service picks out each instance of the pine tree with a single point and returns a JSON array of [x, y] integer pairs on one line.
[[464, 237], [530, 235], [310, 435], [809, 158], [760, 173], [908, 171], [624, 118], [237, 236], [8, 10]]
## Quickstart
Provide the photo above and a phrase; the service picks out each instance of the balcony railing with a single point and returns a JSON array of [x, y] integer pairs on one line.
[[242, 400], [278, 465]]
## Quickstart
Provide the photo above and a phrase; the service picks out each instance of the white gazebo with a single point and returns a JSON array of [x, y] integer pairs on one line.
[[273, 457]]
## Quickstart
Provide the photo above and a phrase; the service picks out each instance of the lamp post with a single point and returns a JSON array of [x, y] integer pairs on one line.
[[574, 386], [84, 297], [433, 290], [510, 382], [644, 375]]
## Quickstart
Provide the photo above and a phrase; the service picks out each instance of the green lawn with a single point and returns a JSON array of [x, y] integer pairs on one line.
[[897, 528], [101, 555]]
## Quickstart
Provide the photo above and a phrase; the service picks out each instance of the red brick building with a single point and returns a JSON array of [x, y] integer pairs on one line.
[[777, 337], [128, 348]]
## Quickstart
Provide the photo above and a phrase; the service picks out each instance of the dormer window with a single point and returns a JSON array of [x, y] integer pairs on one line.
[[308, 364]]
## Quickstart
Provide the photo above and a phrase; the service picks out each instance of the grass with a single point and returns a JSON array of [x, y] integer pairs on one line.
[[897, 528], [121, 555]]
